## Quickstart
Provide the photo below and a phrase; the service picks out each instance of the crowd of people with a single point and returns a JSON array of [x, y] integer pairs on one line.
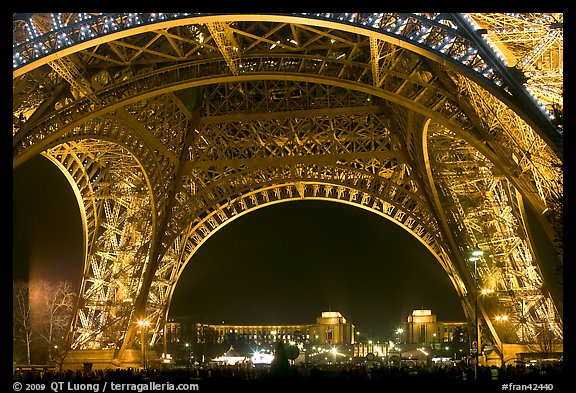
[[342, 376]]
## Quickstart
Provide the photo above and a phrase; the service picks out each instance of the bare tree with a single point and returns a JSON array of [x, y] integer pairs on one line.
[[547, 344], [52, 307], [21, 318]]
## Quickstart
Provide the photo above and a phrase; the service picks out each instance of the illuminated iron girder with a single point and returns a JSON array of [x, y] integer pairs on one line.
[[489, 214], [404, 115], [437, 33], [532, 42], [224, 37], [115, 205], [68, 67], [524, 153], [433, 31]]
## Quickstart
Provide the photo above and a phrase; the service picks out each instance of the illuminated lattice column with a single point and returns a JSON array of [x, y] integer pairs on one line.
[[524, 153], [224, 37], [486, 210], [117, 218], [533, 43]]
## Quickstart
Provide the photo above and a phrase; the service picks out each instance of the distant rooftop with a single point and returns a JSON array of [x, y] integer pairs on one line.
[[331, 314]]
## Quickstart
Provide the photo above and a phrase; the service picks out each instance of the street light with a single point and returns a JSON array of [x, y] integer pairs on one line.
[[189, 353], [476, 253], [144, 324], [399, 333]]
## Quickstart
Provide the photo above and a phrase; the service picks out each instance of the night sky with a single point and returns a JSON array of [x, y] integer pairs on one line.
[[281, 264], [46, 225]]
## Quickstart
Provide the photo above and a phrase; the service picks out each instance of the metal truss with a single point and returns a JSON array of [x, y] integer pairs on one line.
[[484, 208], [171, 125], [532, 43], [525, 155], [436, 33], [115, 201]]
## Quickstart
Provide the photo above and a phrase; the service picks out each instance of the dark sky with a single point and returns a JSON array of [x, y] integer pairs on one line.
[[280, 264], [47, 230]]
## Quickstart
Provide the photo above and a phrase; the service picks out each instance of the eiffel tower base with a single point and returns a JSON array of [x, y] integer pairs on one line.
[[102, 359]]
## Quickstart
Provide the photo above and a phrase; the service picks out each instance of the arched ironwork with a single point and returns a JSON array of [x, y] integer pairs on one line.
[[171, 125]]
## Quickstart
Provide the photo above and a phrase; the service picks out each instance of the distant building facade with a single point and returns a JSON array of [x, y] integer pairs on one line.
[[172, 331], [423, 328], [362, 350], [330, 328]]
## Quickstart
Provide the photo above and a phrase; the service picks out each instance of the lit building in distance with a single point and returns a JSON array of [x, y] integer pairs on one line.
[[362, 350], [423, 328], [330, 328], [172, 331]]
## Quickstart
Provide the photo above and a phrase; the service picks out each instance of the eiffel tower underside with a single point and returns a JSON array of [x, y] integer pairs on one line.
[[169, 126]]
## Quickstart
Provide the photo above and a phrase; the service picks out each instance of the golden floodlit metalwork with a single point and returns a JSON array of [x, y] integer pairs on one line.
[[169, 126]]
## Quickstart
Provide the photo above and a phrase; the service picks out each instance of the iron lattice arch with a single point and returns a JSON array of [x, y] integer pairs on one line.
[[168, 127]]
